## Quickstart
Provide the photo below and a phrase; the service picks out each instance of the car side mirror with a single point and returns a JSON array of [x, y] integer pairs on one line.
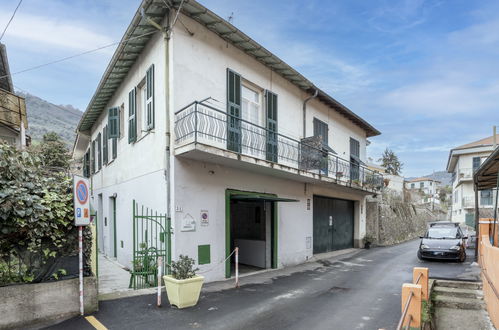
[[421, 236]]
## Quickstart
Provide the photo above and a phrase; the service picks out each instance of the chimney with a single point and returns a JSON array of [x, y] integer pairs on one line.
[[494, 139]]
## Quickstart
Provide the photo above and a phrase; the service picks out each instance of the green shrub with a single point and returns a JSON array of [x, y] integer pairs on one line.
[[183, 268]]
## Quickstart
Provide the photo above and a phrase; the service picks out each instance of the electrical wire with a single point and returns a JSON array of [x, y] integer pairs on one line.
[[77, 55], [11, 18]]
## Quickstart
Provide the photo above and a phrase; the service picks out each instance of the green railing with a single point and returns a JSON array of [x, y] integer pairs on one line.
[[151, 240]]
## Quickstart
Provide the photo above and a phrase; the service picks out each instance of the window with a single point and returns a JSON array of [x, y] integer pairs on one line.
[[113, 122], [321, 129], [476, 163], [105, 144], [251, 105], [132, 119], [150, 97], [456, 196], [92, 158], [431, 183], [413, 185], [421, 185], [99, 152], [354, 159], [486, 197]]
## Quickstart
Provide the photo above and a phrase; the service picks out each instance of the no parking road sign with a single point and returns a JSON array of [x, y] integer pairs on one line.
[[81, 201]]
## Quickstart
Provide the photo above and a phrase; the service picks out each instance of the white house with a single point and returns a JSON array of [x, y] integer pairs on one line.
[[462, 163], [199, 122], [427, 185]]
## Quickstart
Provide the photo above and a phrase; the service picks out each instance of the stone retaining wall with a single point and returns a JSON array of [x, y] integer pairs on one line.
[[41, 304], [395, 221]]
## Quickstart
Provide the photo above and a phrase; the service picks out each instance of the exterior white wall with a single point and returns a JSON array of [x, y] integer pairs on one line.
[[396, 182], [199, 71], [295, 222], [429, 186], [138, 170]]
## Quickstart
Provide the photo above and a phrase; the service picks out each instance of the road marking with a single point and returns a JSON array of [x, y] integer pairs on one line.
[[95, 323]]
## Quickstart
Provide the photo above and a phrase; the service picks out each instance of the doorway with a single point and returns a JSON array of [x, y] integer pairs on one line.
[[112, 228], [251, 225], [333, 222]]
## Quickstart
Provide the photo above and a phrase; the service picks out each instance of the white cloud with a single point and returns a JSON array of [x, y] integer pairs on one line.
[[50, 32]]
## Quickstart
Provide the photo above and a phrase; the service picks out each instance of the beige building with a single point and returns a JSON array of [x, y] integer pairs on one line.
[[13, 120], [462, 163]]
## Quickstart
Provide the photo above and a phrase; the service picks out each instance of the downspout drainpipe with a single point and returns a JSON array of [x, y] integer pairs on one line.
[[305, 112], [166, 31]]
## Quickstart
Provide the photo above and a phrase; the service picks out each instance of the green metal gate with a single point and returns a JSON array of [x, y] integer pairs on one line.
[[151, 239]]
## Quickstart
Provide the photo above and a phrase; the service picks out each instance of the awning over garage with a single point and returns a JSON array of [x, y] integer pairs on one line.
[[485, 176], [261, 198]]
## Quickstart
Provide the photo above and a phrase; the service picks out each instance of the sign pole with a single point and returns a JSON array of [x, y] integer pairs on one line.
[[80, 254], [160, 271]]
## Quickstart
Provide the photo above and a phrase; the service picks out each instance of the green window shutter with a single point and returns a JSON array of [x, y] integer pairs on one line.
[[150, 97], [271, 108], [92, 158], [113, 122], [99, 151], [115, 147], [86, 164], [132, 115], [105, 144], [233, 111]]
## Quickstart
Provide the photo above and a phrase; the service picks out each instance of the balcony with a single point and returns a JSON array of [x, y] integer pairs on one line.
[[468, 202], [206, 133], [464, 174]]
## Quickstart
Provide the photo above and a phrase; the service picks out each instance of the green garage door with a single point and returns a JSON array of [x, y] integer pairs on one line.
[[333, 224]]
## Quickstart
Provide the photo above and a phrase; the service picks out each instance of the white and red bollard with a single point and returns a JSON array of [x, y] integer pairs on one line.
[[237, 267], [160, 271], [80, 257]]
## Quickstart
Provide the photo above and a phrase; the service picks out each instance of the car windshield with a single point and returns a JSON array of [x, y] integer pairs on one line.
[[442, 232]]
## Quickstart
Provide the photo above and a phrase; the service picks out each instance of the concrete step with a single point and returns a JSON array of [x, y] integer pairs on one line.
[[459, 284], [458, 302], [450, 318], [458, 292]]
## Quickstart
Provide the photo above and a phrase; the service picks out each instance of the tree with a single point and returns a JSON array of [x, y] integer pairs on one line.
[[54, 153], [391, 162]]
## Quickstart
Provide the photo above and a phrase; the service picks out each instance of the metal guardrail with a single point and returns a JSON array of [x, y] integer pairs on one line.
[[465, 173], [199, 122]]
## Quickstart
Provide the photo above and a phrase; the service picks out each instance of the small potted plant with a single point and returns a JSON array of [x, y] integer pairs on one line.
[[368, 241], [183, 286]]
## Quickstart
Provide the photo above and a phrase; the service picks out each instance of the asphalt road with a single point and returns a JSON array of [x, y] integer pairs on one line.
[[354, 292]]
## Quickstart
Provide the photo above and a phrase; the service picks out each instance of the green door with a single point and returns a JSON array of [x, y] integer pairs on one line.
[[343, 223], [333, 222]]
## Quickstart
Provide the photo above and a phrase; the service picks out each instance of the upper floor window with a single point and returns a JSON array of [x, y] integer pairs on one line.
[[354, 148], [476, 163], [251, 105], [486, 197], [321, 129], [413, 185], [99, 152], [421, 185]]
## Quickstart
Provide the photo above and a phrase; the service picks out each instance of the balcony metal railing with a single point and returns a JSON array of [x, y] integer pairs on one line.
[[202, 123], [465, 174], [468, 201]]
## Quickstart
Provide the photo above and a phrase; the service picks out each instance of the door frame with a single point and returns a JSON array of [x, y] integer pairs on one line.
[[228, 194]]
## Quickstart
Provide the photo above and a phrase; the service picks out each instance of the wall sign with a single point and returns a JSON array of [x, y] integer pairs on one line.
[[205, 221], [188, 223], [81, 199]]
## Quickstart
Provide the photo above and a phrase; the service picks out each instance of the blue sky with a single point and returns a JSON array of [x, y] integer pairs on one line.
[[425, 73]]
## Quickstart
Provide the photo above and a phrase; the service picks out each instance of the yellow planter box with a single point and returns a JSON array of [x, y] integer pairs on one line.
[[183, 293]]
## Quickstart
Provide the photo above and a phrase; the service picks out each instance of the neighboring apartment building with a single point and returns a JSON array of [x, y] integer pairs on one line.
[[428, 186], [13, 119], [462, 163], [205, 125]]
